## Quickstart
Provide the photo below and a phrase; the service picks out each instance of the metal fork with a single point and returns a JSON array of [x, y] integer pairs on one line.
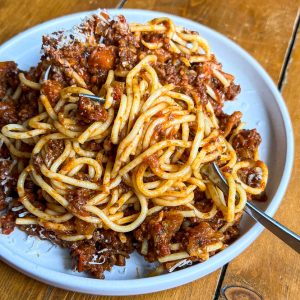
[[214, 174], [92, 97]]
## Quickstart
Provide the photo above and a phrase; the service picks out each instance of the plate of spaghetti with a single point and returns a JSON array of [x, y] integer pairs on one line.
[[107, 121]]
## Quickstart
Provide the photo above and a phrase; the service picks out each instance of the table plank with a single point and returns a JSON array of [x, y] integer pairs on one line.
[[262, 27], [17, 16], [258, 35], [14, 285], [201, 289], [269, 266]]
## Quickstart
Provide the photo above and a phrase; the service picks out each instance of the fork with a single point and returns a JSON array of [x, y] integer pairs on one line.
[[214, 174]]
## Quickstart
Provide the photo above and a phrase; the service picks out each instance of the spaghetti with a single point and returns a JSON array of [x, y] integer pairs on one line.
[[94, 177]]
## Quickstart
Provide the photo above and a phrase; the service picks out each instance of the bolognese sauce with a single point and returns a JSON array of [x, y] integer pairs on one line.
[[103, 178]]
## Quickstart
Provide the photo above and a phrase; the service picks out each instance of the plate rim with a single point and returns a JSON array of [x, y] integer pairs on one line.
[[170, 280]]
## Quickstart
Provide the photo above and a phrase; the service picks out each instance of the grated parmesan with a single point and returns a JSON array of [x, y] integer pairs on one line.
[[94, 261], [17, 208], [180, 264], [78, 33], [23, 214]]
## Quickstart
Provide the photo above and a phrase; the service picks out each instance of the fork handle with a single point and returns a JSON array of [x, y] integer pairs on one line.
[[292, 239], [286, 235]]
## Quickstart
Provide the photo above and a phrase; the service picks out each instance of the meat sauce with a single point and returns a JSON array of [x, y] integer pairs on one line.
[[229, 122], [159, 230], [52, 89], [199, 236], [102, 57], [77, 200], [90, 111], [245, 143], [8, 77], [7, 223], [8, 113], [101, 253]]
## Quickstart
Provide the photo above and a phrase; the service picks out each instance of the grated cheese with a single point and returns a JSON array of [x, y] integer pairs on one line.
[[180, 264], [78, 33]]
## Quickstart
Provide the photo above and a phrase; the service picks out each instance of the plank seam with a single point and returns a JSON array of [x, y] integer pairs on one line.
[[48, 292], [289, 51], [121, 4], [220, 282]]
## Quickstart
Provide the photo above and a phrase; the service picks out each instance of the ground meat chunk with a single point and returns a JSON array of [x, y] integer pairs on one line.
[[232, 91], [51, 89], [83, 227], [118, 90], [28, 105], [84, 254], [229, 122], [159, 230], [127, 54], [103, 57], [119, 30], [37, 162], [3, 203], [201, 202], [8, 68], [7, 223], [231, 234], [90, 111], [168, 73], [8, 113], [119, 34], [162, 55], [8, 181], [101, 253], [5, 168], [250, 176], [77, 199], [8, 77], [246, 142], [54, 149], [217, 221], [4, 152], [199, 236]]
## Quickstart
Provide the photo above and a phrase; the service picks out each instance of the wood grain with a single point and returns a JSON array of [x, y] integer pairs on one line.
[[269, 266], [17, 16], [14, 285], [263, 28], [201, 289]]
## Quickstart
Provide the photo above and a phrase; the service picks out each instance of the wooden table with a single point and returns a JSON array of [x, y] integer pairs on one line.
[[268, 29]]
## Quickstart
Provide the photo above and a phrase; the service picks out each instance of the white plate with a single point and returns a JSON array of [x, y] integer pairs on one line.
[[263, 108]]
